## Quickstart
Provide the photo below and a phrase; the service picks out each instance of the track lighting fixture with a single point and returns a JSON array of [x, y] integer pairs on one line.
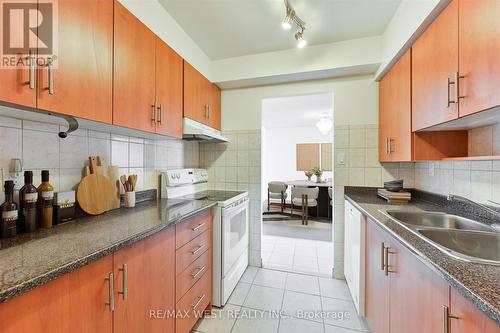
[[291, 17]]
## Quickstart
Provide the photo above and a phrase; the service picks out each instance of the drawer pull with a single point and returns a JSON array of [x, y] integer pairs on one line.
[[111, 291], [200, 270], [198, 249], [198, 227], [200, 298]]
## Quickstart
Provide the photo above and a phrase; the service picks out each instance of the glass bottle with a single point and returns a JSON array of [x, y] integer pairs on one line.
[[8, 223], [28, 197], [45, 201]]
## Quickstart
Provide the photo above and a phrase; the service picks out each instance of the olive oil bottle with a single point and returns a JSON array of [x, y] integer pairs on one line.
[[8, 223], [28, 198], [45, 201]]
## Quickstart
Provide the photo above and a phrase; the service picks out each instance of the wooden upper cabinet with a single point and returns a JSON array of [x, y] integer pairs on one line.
[[470, 319], [149, 284], [195, 104], [134, 72], [395, 112], [169, 86], [412, 284], [376, 283], [215, 107], [75, 302], [434, 63], [83, 71], [479, 54], [15, 87]]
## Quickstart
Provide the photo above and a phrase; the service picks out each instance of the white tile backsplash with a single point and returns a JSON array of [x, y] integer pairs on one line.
[[39, 147]]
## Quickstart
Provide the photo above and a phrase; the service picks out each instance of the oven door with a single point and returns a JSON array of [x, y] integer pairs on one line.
[[234, 233]]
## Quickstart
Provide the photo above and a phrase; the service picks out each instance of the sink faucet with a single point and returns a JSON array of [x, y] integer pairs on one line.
[[453, 197]]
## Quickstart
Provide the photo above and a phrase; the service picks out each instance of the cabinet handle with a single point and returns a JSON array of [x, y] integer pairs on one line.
[[387, 145], [50, 68], [153, 113], [200, 298], [198, 226], [446, 319], [390, 146], [111, 291], [457, 85], [448, 84], [201, 270], [208, 108], [382, 256], [386, 261], [206, 111], [124, 270], [198, 249], [31, 60], [160, 110]]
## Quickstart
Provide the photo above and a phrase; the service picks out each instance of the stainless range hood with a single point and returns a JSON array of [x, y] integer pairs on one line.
[[195, 131]]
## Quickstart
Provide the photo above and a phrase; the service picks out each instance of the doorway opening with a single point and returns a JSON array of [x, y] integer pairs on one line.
[[297, 182]]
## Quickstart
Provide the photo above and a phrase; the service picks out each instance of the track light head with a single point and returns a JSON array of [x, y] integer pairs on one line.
[[291, 17], [286, 24], [301, 42]]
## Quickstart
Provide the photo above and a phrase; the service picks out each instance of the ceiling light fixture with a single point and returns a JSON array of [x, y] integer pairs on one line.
[[291, 17], [324, 124]]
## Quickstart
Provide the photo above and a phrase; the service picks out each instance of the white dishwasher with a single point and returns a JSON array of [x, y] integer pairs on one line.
[[354, 255]]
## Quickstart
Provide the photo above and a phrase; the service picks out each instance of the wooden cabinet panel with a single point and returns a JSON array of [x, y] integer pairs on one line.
[[195, 94], [412, 284], [479, 54], [83, 70], [307, 156], [191, 251], [193, 273], [377, 284], [169, 85], [192, 228], [134, 72], [193, 303], [470, 319], [434, 61], [72, 303], [15, 87], [215, 107], [395, 112], [150, 284], [437, 145]]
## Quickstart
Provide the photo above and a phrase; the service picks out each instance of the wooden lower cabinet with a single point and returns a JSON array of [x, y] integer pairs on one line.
[[376, 283], [404, 295], [75, 302], [145, 283], [470, 319]]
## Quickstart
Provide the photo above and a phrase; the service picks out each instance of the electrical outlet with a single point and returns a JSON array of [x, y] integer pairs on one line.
[[341, 159]]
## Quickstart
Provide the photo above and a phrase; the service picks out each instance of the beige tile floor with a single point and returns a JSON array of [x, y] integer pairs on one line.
[[271, 301], [297, 255]]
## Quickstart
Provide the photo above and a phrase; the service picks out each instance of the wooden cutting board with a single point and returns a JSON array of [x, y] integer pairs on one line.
[[94, 194], [114, 177]]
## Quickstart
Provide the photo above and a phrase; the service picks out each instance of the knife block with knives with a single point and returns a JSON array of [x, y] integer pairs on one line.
[[99, 190]]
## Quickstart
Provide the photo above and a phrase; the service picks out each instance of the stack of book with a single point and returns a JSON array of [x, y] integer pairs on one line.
[[394, 197]]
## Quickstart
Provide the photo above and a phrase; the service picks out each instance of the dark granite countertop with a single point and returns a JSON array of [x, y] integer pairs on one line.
[[479, 283], [30, 260]]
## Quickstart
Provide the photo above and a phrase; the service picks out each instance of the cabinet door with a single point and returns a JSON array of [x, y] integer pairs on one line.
[[395, 112], [75, 302], [169, 85], [83, 71], [149, 284], [434, 61], [377, 284], [195, 95], [470, 319], [215, 107], [134, 72], [417, 294], [479, 51]]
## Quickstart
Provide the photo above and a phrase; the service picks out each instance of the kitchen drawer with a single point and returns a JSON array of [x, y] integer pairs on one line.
[[192, 274], [191, 251], [196, 225], [194, 302]]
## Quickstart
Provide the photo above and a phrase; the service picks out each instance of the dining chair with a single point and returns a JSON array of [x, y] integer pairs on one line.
[[305, 197], [276, 191]]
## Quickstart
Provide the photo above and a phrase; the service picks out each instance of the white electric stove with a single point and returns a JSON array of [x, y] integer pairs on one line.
[[229, 227]]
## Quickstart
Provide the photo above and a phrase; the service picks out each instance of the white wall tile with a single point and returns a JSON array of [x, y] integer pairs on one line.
[[120, 153], [74, 152], [40, 150], [136, 155]]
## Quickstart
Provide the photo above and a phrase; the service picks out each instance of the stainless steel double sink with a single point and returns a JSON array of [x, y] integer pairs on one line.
[[456, 236]]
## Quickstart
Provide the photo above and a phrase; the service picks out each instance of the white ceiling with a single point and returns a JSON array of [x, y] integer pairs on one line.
[[231, 28], [296, 111]]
